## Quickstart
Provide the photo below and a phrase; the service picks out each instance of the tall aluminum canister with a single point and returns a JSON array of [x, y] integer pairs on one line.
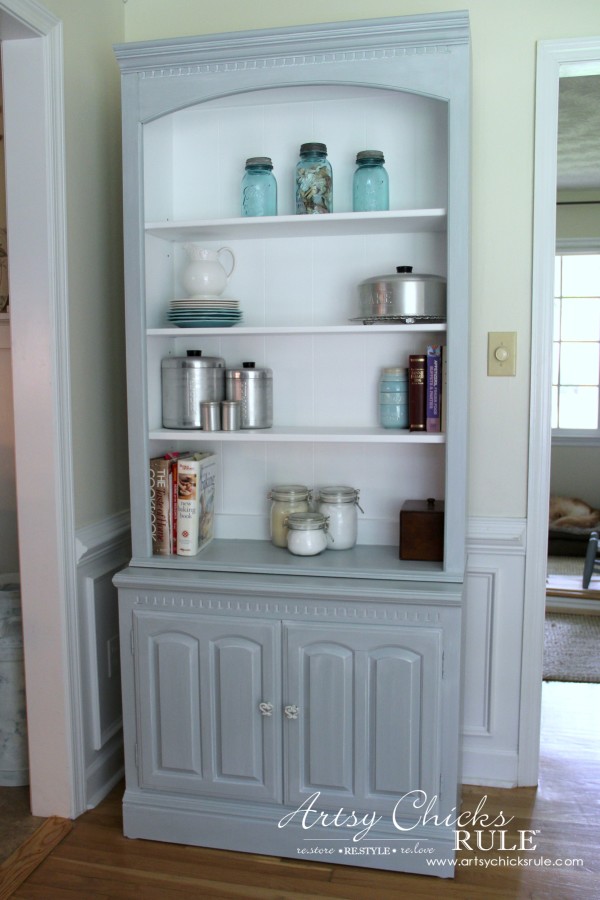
[[188, 381], [253, 387]]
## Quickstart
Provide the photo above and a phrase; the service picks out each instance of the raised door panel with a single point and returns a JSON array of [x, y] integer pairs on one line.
[[201, 682], [368, 725]]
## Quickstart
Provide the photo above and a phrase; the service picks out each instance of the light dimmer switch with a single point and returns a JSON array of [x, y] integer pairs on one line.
[[502, 352]]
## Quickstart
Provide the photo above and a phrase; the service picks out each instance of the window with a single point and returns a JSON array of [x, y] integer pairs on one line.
[[576, 347]]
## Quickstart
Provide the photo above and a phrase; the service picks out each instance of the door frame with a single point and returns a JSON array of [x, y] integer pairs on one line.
[[32, 63], [555, 59]]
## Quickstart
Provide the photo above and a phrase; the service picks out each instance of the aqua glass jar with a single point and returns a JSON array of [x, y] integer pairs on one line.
[[393, 398], [370, 188], [314, 180], [259, 188]]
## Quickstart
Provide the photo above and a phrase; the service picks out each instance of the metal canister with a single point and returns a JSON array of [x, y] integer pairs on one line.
[[187, 381], [253, 387]]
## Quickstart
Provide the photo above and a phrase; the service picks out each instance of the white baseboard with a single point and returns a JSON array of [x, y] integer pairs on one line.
[[573, 605]]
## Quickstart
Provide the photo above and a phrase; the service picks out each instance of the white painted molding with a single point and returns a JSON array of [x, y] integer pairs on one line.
[[506, 535], [416, 34], [554, 59], [93, 540], [572, 604], [57, 771], [20, 18]]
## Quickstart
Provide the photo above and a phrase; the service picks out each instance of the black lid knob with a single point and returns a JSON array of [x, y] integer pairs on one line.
[[249, 365], [194, 352], [401, 269]]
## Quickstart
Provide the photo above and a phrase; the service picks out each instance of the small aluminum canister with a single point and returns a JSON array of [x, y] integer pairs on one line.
[[231, 415], [187, 381], [253, 387], [210, 415]]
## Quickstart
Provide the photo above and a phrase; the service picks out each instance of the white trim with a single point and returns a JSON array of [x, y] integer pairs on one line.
[[554, 58], [33, 64], [572, 604], [94, 540], [494, 534]]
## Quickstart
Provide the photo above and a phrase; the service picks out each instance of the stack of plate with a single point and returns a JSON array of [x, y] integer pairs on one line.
[[204, 312]]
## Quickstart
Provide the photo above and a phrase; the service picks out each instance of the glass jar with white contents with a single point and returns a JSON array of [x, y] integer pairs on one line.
[[286, 499], [339, 504], [307, 533]]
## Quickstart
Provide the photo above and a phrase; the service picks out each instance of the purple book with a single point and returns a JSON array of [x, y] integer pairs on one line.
[[433, 389]]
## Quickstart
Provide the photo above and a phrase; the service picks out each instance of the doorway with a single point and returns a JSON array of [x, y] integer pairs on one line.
[[555, 59]]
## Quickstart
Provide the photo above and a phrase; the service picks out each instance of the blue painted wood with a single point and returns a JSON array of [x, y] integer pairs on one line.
[[362, 651]]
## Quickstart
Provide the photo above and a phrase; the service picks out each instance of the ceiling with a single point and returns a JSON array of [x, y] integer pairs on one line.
[[579, 133]]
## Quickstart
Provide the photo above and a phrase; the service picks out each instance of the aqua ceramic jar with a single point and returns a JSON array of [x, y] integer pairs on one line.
[[370, 188], [393, 398], [259, 188], [314, 180]]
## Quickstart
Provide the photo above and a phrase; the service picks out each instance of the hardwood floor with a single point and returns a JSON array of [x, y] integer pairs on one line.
[[95, 861]]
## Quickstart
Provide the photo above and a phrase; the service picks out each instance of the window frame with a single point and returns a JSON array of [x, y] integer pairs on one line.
[[572, 436]]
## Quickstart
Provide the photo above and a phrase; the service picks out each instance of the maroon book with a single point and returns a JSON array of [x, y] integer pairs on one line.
[[416, 392]]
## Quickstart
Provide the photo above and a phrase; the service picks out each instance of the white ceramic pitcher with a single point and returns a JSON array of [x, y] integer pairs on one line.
[[205, 276]]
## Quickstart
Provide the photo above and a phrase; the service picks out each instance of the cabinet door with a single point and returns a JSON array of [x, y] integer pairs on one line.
[[202, 683], [368, 724]]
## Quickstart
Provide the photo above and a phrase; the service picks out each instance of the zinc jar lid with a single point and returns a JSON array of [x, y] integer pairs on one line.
[[264, 161], [338, 493], [395, 370], [364, 155], [289, 492], [313, 147], [306, 521]]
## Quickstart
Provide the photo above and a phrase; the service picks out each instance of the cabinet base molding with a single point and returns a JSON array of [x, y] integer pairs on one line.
[[267, 831]]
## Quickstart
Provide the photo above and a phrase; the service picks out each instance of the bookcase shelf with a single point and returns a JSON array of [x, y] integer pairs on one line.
[[283, 227], [282, 434], [251, 677]]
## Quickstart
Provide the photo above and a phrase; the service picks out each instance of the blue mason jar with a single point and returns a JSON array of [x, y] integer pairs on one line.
[[314, 180], [393, 398], [259, 188], [370, 188]]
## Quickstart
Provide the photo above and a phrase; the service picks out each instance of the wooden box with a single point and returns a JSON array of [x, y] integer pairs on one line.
[[422, 530]]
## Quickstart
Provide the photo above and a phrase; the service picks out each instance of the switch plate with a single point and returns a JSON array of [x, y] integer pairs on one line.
[[502, 353]]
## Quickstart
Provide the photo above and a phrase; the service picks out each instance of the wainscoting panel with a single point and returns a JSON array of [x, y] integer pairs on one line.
[[492, 650], [102, 550]]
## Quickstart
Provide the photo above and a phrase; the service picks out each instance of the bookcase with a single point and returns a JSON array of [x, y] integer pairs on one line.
[[193, 110]]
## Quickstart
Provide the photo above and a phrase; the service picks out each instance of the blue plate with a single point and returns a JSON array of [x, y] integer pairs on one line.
[[204, 323]]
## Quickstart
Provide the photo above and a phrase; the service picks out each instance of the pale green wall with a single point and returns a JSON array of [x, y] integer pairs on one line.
[[504, 36], [95, 253]]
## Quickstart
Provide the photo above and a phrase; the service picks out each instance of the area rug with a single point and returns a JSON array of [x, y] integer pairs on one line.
[[572, 648]]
